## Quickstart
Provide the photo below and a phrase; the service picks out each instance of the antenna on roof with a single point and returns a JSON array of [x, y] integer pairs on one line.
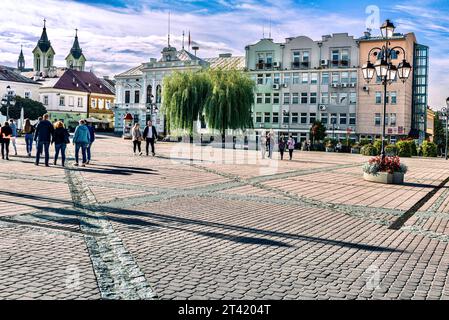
[[263, 31], [270, 29], [169, 17], [183, 35], [45, 22]]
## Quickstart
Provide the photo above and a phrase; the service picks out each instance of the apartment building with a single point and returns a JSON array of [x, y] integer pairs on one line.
[[301, 80], [406, 114]]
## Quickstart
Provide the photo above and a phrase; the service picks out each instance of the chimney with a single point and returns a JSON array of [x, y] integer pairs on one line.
[[225, 55]]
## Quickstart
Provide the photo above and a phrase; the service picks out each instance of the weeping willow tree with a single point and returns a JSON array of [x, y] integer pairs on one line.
[[224, 98], [184, 98]]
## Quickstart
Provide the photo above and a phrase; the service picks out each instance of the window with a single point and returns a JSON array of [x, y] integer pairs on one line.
[[80, 102], [286, 118], [345, 57], [71, 102], [343, 98], [295, 98], [93, 103], [377, 119], [325, 78], [260, 79], [259, 98], [393, 119], [61, 101], [304, 98], [287, 78], [394, 97], [127, 96], [259, 117], [261, 58], [354, 77], [333, 118], [267, 98], [313, 98], [312, 118], [335, 57], [345, 77], [150, 94], [295, 78], [269, 60], [352, 97], [325, 97], [275, 117], [335, 77], [378, 97], [343, 118], [27, 95], [137, 96], [305, 78], [158, 94], [314, 78], [295, 117], [286, 98], [334, 98], [268, 80], [45, 100], [303, 118], [276, 98], [277, 78], [324, 118], [305, 56], [296, 56], [108, 105], [352, 119], [267, 117]]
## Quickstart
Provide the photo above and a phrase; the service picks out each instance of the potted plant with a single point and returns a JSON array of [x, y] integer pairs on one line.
[[330, 146], [355, 148], [387, 171]]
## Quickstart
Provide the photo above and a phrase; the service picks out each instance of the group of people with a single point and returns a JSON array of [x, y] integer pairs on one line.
[[149, 135], [44, 133], [267, 143]]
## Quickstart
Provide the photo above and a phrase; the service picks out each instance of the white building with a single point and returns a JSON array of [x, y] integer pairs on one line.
[[19, 85]]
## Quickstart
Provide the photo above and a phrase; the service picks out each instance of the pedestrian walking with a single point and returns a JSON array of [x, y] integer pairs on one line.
[[43, 136], [291, 146], [14, 136], [92, 140], [282, 146], [61, 138], [263, 144], [137, 138], [35, 127], [28, 130], [81, 140], [5, 138], [150, 135], [270, 144]]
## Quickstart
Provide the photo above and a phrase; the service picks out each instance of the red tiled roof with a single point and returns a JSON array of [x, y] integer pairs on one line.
[[82, 81]]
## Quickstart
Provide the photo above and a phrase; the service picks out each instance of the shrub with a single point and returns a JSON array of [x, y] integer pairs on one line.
[[404, 148], [429, 149], [369, 150], [364, 142], [317, 147], [330, 143], [391, 150], [378, 145]]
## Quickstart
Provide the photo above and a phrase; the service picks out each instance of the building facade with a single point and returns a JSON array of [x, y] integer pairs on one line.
[[406, 102], [19, 85], [139, 90], [302, 81]]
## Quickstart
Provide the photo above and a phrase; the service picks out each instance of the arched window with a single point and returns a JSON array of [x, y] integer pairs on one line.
[[149, 94], [158, 94], [38, 62]]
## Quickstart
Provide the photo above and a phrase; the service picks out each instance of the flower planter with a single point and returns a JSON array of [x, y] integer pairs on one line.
[[328, 149], [355, 150], [385, 178]]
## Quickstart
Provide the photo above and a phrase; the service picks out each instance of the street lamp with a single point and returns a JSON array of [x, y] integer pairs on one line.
[[8, 100], [385, 69]]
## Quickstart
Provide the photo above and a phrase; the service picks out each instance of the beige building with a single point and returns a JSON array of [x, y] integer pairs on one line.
[[405, 114]]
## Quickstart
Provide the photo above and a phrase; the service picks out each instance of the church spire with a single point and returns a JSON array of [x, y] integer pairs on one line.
[[21, 61], [76, 60], [44, 44], [76, 50]]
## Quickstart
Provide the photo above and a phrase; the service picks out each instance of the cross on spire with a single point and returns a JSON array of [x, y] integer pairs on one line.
[[76, 32], [45, 22]]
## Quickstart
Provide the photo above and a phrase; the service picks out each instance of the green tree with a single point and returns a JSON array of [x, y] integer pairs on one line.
[[317, 132], [439, 136], [32, 109], [224, 98]]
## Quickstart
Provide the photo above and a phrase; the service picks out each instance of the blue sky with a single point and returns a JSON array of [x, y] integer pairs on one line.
[[119, 34]]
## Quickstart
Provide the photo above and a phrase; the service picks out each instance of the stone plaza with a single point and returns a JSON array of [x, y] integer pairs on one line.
[[202, 223]]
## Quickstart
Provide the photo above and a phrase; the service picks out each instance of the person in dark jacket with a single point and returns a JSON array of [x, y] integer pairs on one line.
[[282, 146], [150, 136], [43, 136], [5, 138], [61, 137], [28, 130], [92, 139]]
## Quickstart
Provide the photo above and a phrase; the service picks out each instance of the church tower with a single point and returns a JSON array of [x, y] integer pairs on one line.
[[76, 59], [21, 61], [43, 54]]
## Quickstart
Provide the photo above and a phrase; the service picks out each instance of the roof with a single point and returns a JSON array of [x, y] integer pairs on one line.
[[82, 81], [76, 50], [7, 74], [184, 55], [227, 63], [31, 74], [44, 44], [136, 71], [109, 83]]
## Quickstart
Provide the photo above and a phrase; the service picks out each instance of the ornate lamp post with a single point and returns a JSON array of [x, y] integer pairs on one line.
[[385, 69], [8, 100]]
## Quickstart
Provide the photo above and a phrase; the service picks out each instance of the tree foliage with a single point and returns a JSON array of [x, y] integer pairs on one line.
[[32, 109], [439, 133], [224, 98], [317, 132]]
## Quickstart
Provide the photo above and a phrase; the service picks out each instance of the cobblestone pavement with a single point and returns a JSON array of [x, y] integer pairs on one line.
[[203, 223]]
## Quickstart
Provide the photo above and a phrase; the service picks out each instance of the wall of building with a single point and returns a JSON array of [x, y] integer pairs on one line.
[[21, 89]]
